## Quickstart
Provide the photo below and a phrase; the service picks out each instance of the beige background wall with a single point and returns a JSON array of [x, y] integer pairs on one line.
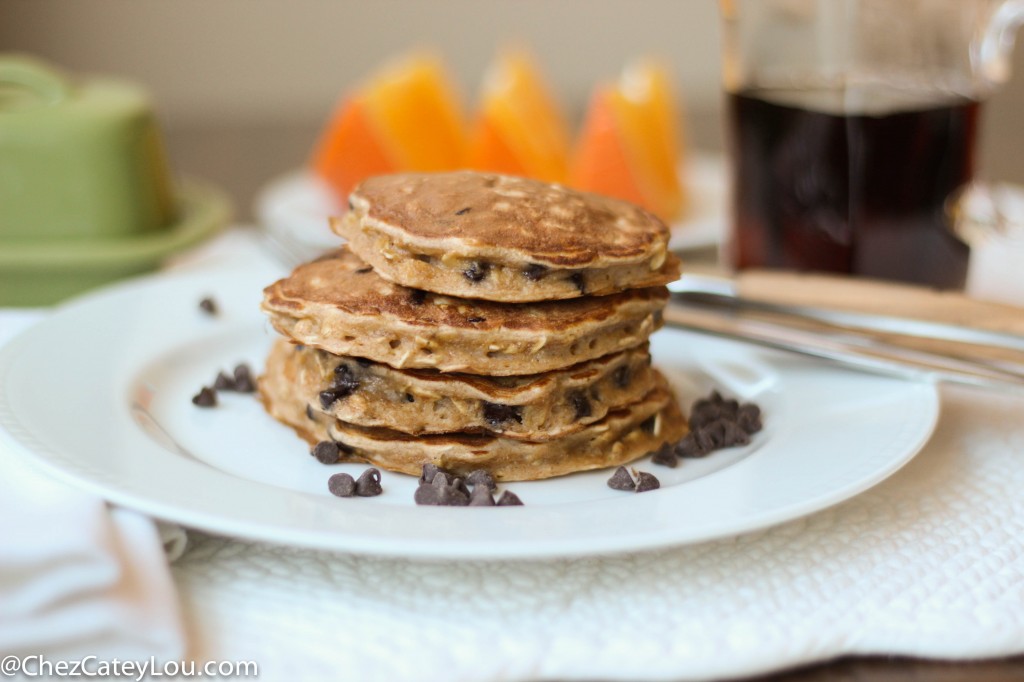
[[278, 66]]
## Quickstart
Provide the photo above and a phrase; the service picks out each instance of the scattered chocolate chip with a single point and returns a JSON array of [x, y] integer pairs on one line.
[[454, 497], [460, 485], [666, 456], [243, 379], [309, 412], [508, 499], [463, 211], [428, 473], [417, 296], [328, 398], [497, 415], [535, 272], [427, 495], [441, 479], [223, 382], [476, 320], [410, 398], [621, 376], [205, 398], [481, 497], [621, 480], [208, 306], [577, 279], [363, 271], [580, 405], [368, 484], [326, 452], [689, 447], [342, 485], [476, 272], [646, 481], [749, 418], [481, 477]]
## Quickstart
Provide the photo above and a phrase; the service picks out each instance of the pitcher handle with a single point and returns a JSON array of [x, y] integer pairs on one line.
[[991, 55], [34, 76]]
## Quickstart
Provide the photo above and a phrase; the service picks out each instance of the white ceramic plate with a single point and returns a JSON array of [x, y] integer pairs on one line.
[[100, 392], [294, 210]]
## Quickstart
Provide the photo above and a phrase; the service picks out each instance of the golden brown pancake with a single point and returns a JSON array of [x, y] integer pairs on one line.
[[622, 436], [340, 305], [503, 238], [537, 407]]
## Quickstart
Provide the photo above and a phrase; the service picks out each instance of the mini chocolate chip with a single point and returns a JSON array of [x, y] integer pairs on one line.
[[580, 405], [649, 423], [417, 296], [621, 376], [577, 279], [621, 480], [243, 379], [326, 452], [342, 485], [328, 398], [463, 211], [535, 272], [409, 398], [716, 432], [481, 497], [508, 499], [441, 479], [223, 382], [363, 362], [208, 306], [735, 435], [689, 447], [476, 320], [476, 272], [497, 415], [368, 484], [646, 481], [364, 270], [427, 495], [453, 497], [460, 485], [666, 456], [345, 382], [749, 418], [205, 398], [429, 471], [309, 412], [481, 477]]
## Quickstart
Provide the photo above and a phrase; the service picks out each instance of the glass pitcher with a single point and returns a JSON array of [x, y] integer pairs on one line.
[[852, 125]]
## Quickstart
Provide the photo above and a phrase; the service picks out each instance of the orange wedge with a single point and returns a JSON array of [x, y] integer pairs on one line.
[[630, 144], [349, 150], [415, 112], [519, 128], [406, 118]]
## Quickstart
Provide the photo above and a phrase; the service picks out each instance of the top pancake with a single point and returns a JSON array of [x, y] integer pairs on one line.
[[503, 238]]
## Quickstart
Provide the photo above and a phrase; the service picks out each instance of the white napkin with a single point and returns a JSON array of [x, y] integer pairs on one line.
[[76, 577], [929, 563]]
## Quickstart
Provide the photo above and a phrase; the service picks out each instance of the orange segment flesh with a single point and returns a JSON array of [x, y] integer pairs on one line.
[[349, 150], [645, 110], [518, 116], [416, 115], [600, 163]]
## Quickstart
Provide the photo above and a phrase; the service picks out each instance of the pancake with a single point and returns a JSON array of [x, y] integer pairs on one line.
[[622, 436], [536, 407], [503, 238], [340, 305]]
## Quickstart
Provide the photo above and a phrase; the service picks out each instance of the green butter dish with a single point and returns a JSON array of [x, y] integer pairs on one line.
[[81, 157], [45, 272]]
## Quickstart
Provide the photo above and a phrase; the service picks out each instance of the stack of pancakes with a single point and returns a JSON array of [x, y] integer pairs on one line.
[[477, 321]]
